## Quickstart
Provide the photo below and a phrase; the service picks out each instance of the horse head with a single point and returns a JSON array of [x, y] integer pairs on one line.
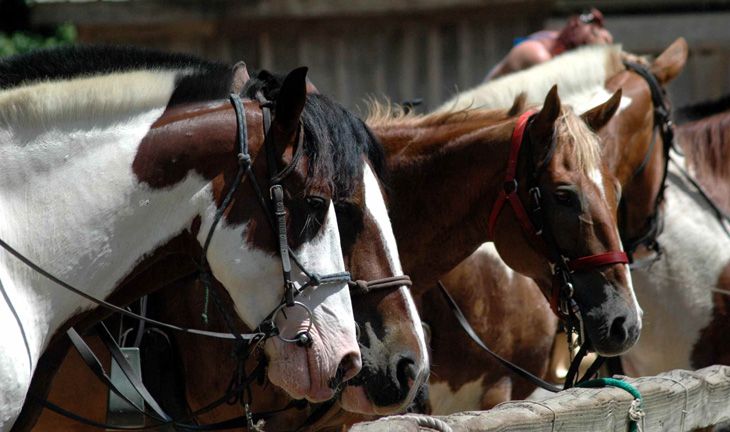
[[242, 250], [637, 147], [574, 243]]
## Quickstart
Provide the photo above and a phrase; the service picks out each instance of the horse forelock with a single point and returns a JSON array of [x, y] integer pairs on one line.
[[577, 73], [585, 143]]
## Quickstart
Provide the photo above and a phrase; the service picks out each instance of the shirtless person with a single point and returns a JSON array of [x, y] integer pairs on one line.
[[585, 29]]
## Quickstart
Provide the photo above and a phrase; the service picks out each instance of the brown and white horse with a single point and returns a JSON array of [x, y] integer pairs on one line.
[[391, 337], [692, 275], [495, 298], [112, 158]]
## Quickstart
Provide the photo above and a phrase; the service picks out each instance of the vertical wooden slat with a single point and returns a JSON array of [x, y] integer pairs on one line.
[[407, 75], [340, 65], [434, 67], [266, 51], [465, 54]]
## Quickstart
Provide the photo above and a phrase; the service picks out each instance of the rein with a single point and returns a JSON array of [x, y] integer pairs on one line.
[[662, 123]]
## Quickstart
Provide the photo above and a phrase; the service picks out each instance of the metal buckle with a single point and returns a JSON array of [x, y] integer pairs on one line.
[[302, 338], [510, 186]]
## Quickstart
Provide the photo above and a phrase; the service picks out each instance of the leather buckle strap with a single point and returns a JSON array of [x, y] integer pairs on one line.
[[510, 185], [598, 260]]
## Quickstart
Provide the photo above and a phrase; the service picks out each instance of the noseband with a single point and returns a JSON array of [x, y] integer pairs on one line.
[[663, 123], [531, 220]]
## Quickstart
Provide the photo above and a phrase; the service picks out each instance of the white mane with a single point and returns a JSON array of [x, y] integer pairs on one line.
[[87, 98], [580, 75]]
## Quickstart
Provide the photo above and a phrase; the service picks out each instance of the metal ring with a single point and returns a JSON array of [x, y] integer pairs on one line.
[[309, 314]]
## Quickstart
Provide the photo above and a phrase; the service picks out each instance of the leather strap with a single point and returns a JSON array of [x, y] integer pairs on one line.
[[509, 190], [598, 260]]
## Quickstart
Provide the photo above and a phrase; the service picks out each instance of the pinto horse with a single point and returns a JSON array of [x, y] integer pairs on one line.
[[152, 132], [693, 273], [391, 338], [492, 296]]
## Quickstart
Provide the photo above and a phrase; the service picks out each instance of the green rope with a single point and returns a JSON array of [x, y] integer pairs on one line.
[[636, 412]]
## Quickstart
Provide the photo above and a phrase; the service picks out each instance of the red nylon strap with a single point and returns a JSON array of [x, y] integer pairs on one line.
[[510, 178], [591, 261]]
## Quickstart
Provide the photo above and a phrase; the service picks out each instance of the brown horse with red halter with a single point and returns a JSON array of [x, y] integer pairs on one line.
[[491, 294]]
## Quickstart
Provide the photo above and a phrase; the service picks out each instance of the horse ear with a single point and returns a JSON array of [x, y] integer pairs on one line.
[[670, 63], [544, 123], [518, 106], [290, 103], [599, 116], [311, 88], [240, 77]]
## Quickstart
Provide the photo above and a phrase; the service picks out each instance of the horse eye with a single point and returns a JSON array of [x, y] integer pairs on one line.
[[316, 203], [565, 197]]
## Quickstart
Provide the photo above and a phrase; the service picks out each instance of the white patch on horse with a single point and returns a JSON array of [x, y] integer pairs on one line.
[[376, 207], [444, 400], [597, 178], [695, 252], [578, 73]]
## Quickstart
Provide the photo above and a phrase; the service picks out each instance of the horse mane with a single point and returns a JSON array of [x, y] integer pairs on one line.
[[585, 142], [700, 110], [114, 79], [197, 79], [579, 74], [706, 144], [388, 115], [342, 137]]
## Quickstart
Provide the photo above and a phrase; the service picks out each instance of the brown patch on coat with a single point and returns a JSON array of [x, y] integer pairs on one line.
[[712, 347]]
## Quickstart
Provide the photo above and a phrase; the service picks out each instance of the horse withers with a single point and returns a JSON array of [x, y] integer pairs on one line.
[[112, 156]]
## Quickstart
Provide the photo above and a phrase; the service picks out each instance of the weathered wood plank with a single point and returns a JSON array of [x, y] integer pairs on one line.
[[673, 401]]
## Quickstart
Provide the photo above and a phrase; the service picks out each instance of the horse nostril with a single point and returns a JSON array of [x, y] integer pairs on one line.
[[406, 372], [617, 332], [349, 366]]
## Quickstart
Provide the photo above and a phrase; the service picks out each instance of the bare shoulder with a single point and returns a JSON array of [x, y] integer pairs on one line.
[[528, 53]]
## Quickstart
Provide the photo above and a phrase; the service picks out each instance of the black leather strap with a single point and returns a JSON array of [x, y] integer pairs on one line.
[[505, 363]]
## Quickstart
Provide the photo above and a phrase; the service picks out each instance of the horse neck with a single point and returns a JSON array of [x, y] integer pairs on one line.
[[445, 181], [73, 203]]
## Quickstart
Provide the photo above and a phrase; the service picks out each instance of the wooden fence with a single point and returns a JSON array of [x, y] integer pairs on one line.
[[678, 401]]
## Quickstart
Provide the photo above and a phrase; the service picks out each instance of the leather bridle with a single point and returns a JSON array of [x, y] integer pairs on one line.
[[531, 219], [663, 123]]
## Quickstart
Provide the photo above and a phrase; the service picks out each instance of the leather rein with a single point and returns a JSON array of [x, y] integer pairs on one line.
[[246, 343]]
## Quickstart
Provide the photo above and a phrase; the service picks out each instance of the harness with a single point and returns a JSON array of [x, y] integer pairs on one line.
[[662, 123], [246, 343]]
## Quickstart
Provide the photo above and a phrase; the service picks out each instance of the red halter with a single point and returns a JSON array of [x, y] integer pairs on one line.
[[509, 194]]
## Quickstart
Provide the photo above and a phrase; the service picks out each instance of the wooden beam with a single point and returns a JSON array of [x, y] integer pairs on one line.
[[673, 401]]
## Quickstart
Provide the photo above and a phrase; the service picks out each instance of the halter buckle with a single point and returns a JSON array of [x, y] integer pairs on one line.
[[510, 186]]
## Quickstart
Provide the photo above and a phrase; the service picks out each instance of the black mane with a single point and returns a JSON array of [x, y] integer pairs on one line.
[[345, 137], [701, 110], [202, 79]]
